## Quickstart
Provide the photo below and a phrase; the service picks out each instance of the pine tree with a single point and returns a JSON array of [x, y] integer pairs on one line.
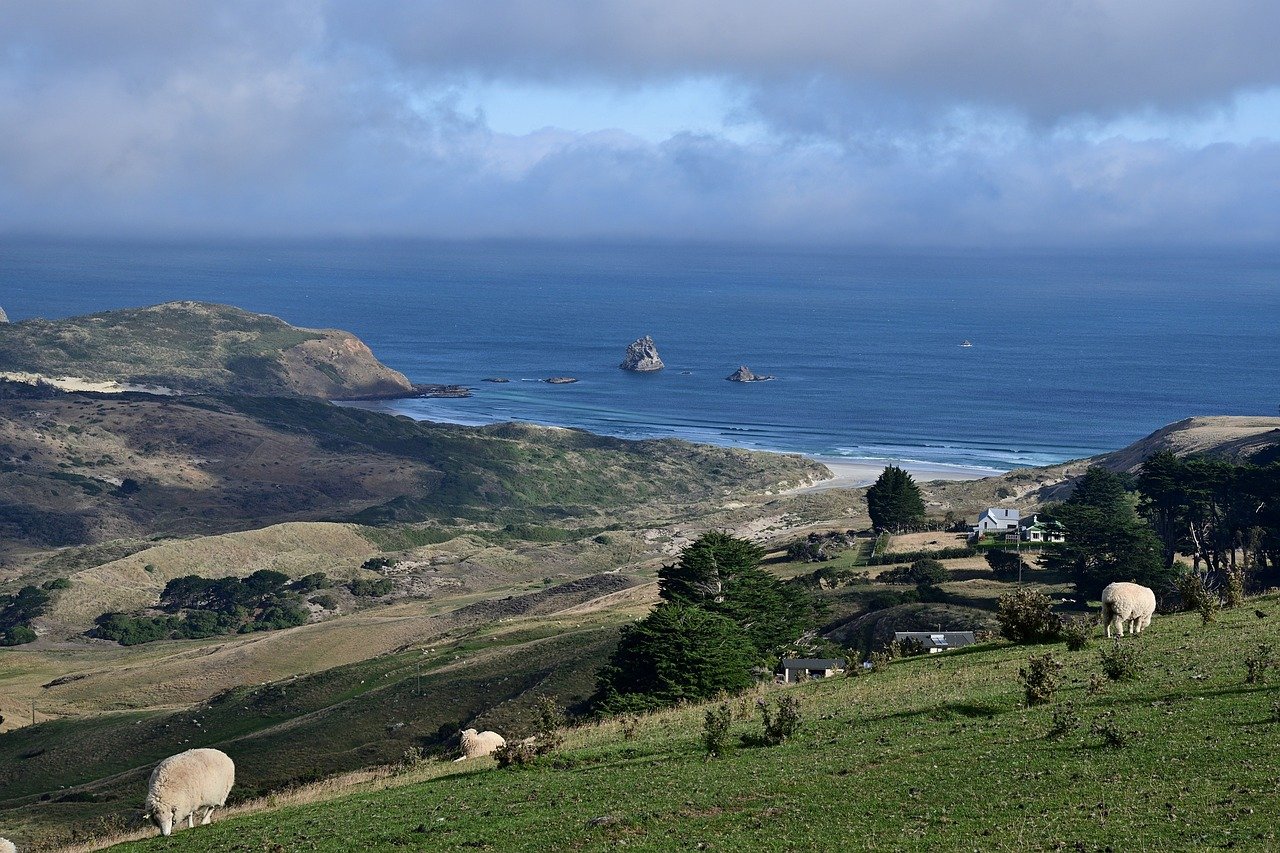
[[721, 573], [676, 652], [894, 501]]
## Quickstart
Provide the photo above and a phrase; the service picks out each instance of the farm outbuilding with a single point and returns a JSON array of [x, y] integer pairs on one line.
[[797, 669]]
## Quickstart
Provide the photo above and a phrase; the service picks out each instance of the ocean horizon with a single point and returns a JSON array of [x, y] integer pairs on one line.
[[1073, 353]]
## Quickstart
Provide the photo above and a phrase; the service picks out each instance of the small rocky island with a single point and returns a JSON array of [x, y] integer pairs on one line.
[[642, 356], [4, 318], [560, 380], [498, 379], [744, 374]]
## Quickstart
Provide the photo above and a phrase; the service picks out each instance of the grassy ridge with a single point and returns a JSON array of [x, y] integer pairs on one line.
[[203, 465], [934, 753]]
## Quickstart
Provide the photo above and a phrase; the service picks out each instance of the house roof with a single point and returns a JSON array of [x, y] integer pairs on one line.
[[813, 663], [999, 513], [937, 639]]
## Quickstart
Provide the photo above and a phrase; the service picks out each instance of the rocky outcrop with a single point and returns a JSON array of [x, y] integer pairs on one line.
[[744, 374], [560, 380], [642, 356], [4, 318]]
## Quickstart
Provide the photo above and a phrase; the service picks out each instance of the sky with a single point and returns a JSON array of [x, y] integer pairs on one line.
[[902, 123]]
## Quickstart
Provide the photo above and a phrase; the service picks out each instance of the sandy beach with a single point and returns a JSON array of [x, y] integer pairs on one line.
[[850, 474]]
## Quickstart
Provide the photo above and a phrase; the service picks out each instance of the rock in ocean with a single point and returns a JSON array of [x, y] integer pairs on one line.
[[744, 374], [642, 356]]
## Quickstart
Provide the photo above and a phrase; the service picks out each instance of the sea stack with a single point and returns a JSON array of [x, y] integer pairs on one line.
[[744, 374], [642, 356], [4, 318]]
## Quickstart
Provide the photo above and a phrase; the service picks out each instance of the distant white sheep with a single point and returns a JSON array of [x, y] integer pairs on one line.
[[1128, 604], [478, 744], [189, 782], [6, 846]]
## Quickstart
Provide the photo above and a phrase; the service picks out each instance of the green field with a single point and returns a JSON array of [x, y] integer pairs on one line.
[[933, 753]]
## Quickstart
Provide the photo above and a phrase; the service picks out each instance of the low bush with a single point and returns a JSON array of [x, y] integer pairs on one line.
[[18, 635], [715, 730], [912, 556], [1112, 735], [1040, 679], [1121, 662], [923, 571], [1198, 594], [1077, 632], [370, 588], [780, 723], [1026, 616], [1065, 721], [1259, 662]]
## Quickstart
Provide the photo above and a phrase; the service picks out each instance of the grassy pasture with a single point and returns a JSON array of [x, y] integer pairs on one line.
[[934, 753]]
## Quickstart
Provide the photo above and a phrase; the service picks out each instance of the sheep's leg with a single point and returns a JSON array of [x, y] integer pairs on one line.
[[208, 815], [191, 821]]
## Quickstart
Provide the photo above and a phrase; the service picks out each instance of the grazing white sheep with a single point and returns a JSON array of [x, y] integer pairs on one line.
[[197, 780], [1127, 604], [6, 846], [477, 744]]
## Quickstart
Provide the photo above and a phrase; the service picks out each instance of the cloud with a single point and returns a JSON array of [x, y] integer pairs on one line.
[[919, 122], [1049, 58]]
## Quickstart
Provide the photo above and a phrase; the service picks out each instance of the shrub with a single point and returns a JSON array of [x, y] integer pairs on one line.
[[514, 754], [923, 571], [1234, 592], [630, 727], [715, 730], [1256, 664], [411, 758], [1065, 721], [1121, 662], [1112, 735], [1006, 566], [366, 588], [311, 582], [375, 564], [1040, 679], [912, 556], [1198, 595], [1077, 631], [56, 583], [782, 722], [18, 635], [328, 602], [1025, 616]]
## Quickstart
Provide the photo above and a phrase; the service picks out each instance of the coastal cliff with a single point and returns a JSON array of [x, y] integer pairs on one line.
[[200, 347]]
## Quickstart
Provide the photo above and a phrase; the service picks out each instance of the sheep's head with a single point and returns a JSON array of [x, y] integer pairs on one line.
[[162, 817]]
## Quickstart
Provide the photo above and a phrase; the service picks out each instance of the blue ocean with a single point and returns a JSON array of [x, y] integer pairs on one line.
[[1072, 354]]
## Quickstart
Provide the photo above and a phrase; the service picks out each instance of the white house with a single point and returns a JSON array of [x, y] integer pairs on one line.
[[995, 519], [1037, 528]]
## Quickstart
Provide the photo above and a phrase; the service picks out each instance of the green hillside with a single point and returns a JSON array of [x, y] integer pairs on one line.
[[199, 347], [87, 468], [933, 753]]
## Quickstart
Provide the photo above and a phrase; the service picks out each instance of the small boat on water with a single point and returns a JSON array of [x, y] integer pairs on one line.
[[966, 344]]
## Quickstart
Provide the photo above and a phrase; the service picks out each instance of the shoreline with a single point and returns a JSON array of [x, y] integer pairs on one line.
[[856, 473]]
